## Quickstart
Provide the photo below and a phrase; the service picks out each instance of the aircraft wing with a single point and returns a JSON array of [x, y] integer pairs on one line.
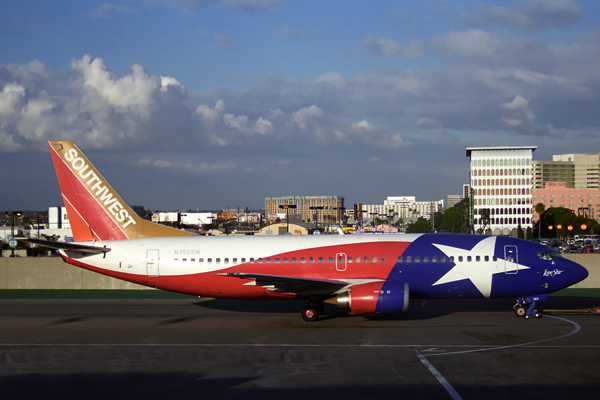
[[80, 248], [288, 284]]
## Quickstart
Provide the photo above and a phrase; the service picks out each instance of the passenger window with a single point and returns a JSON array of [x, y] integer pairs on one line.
[[285, 260], [400, 259], [185, 259], [209, 260], [460, 258], [349, 259], [193, 260], [330, 259], [469, 258], [302, 260], [477, 258], [366, 259], [408, 259], [201, 260], [312, 260], [495, 258], [382, 259], [226, 260], [268, 260], [425, 259], [433, 258], [294, 260], [260, 260], [217, 260], [252, 260], [243, 260], [486, 258], [321, 260], [374, 259], [417, 259], [443, 259], [451, 258], [234, 261], [276, 260]]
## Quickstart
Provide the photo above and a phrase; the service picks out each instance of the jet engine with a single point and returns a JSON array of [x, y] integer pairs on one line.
[[374, 297]]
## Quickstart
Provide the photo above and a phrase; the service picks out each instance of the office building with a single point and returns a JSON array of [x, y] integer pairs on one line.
[[501, 179]]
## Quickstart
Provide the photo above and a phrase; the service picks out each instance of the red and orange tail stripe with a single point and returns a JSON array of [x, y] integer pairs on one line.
[[95, 210]]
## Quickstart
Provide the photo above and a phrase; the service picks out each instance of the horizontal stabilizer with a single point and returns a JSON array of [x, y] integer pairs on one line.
[[81, 248]]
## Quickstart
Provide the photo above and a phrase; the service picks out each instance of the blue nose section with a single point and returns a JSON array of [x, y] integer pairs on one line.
[[575, 273]]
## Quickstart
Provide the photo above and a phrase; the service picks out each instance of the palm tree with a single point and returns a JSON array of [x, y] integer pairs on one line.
[[540, 208]]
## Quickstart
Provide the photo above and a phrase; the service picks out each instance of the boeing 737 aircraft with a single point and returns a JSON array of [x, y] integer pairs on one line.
[[366, 274]]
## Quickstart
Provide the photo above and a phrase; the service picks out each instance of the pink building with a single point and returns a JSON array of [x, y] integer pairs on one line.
[[556, 194]]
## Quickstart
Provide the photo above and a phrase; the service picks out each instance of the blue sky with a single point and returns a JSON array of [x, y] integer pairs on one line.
[[186, 104]]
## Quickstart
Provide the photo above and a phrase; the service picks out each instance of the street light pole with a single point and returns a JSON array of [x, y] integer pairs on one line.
[[12, 228], [316, 214], [287, 214]]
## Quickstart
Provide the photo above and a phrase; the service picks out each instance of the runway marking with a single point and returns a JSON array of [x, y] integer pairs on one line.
[[576, 328], [446, 384], [453, 393]]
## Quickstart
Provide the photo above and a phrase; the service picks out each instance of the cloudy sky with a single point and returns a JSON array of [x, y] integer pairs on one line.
[[206, 104]]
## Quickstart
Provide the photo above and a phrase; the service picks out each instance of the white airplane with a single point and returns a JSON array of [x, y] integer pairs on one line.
[[364, 273]]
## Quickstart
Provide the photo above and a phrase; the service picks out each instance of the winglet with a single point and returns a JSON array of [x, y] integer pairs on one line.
[[95, 210]]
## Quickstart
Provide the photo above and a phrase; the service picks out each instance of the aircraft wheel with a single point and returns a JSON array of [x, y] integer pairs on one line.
[[310, 314], [520, 310]]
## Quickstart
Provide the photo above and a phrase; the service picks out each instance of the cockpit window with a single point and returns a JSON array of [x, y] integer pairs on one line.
[[548, 255]]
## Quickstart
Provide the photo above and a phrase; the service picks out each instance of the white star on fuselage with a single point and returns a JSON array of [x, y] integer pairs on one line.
[[478, 272]]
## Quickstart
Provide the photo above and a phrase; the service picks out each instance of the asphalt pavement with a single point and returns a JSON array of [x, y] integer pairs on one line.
[[226, 349]]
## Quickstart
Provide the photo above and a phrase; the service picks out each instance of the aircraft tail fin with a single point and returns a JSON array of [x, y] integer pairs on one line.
[[95, 210]]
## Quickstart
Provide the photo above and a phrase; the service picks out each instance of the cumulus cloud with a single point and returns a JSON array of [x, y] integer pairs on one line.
[[521, 118], [305, 115], [94, 107], [364, 124], [211, 114]]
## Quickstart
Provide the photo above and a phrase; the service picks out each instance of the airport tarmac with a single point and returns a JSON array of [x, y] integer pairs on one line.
[[225, 349]]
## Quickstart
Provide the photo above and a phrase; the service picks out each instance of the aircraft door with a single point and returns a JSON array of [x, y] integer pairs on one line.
[[152, 263], [341, 262], [511, 260]]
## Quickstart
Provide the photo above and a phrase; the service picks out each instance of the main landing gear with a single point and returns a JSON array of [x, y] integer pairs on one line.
[[313, 310], [525, 306]]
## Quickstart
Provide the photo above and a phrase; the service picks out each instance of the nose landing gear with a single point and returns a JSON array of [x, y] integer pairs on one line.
[[525, 306]]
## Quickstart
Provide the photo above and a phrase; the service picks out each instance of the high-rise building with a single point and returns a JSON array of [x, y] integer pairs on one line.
[[577, 171], [586, 169], [553, 171], [501, 179]]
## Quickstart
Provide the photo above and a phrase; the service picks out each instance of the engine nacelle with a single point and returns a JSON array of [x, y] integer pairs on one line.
[[375, 297]]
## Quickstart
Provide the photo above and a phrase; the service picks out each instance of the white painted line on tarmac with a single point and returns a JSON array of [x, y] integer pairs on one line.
[[453, 393], [576, 328]]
